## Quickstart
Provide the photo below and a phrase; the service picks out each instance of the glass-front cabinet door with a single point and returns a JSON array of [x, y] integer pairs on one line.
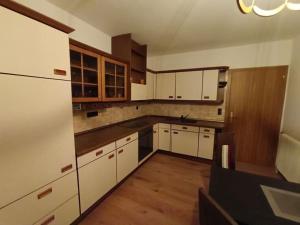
[[114, 80]]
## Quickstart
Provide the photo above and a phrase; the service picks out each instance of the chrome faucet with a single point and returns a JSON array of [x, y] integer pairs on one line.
[[184, 117]]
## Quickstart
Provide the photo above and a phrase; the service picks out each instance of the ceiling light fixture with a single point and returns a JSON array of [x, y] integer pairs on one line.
[[264, 12]]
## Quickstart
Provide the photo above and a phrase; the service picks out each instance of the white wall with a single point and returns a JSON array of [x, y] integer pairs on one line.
[[83, 31], [254, 55], [291, 116]]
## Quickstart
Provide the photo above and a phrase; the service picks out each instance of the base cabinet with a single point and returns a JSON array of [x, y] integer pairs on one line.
[[127, 159], [65, 214], [206, 145], [96, 179], [164, 139], [185, 143]]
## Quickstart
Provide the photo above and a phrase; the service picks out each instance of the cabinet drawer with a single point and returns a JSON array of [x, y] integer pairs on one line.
[[185, 143], [164, 139], [84, 159], [34, 206], [185, 128], [207, 130], [96, 179], [206, 145], [126, 140], [63, 215], [164, 125]]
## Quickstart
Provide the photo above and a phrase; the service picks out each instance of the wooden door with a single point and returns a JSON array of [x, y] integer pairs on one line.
[[189, 85], [255, 109], [210, 85], [185, 143], [165, 88]]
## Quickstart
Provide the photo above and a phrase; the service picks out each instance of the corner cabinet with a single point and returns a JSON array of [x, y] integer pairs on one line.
[[114, 80], [85, 75]]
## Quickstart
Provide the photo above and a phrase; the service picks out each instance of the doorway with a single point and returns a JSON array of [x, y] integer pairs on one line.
[[255, 108]]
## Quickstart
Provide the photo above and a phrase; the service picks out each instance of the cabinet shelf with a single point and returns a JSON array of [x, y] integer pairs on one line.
[[138, 70]]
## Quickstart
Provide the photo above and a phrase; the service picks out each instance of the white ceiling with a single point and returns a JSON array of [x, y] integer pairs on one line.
[[170, 26]]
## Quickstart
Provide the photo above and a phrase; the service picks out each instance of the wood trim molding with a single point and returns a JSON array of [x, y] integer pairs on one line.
[[224, 68], [19, 8]]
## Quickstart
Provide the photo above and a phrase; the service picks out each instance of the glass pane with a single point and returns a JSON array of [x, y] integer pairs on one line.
[[120, 92], [76, 91], [76, 74], [90, 91], [110, 68], [120, 81], [90, 76], [110, 92], [75, 58], [120, 70], [109, 80], [90, 62]]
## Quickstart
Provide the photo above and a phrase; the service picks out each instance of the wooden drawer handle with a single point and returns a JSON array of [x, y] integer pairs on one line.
[[44, 193], [111, 156], [170, 96], [206, 97], [66, 168], [60, 72], [120, 151], [175, 132], [99, 152], [166, 131], [185, 128], [179, 96], [49, 220], [205, 136], [128, 139]]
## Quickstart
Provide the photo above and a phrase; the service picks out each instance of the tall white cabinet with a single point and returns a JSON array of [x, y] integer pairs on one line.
[[210, 85], [37, 154]]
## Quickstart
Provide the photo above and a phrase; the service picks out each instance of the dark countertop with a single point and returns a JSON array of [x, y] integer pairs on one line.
[[88, 141]]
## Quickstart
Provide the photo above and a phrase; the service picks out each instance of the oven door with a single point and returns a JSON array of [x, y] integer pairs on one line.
[[145, 143]]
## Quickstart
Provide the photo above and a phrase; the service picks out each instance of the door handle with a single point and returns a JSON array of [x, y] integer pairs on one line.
[[120, 151], [175, 132], [166, 131], [111, 156]]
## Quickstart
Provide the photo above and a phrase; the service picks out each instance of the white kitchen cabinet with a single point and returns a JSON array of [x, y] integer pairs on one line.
[[96, 179], [184, 142], [189, 85], [206, 145], [127, 159], [37, 142], [138, 92], [164, 142], [155, 138], [210, 85], [151, 85], [65, 214], [165, 86], [29, 47], [36, 205]]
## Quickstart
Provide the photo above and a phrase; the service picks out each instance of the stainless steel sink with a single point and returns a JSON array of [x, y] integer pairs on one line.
[[134, 124], [182, 120]]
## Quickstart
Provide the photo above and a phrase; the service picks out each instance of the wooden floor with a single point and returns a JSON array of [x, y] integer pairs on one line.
[[162, 192]]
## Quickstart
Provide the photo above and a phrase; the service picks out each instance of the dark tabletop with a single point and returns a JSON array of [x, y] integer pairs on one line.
[[88, 141], [240, 194]]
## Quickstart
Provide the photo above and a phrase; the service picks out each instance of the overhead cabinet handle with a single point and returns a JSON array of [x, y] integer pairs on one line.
[[66, 168], [206, 130], [60, 72], [185, 128], [111, 156], [128, 139], [170, 96], [175, 132], [206, 97], [99, 152], [120, 151], [44, 193], [205, 136], [179, 96], [166, 131], [48, 220]]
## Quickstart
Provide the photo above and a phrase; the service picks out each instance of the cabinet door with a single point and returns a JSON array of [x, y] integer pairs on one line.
[[138, 92], [155, 138], [36, 134], [127, 159], [206, 145], [150, 80], [189, 85], [164, 139], [65, 214], [185, 143], [31, 48], [210, 85], [96, 179], [165, 86]]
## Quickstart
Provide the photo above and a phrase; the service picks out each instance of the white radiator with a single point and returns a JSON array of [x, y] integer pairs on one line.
[[288, 158]]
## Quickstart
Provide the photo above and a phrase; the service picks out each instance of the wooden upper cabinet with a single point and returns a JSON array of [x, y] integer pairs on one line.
[[114, 80], [189, 85], [29, 47], [210, 85], [85, 75], [165, 89]]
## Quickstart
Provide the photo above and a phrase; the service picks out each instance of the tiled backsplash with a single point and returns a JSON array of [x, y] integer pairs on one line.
[[120, 113]]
